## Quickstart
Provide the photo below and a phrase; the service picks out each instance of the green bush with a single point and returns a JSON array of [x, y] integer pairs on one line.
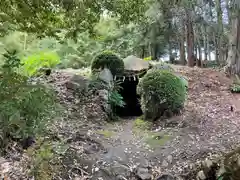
[[165, 66], [161, 92], [25, 108], [184, 80], [33, 63], [110, 60], [235, 88]]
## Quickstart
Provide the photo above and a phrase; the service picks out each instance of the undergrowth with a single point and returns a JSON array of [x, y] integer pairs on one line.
[[26, 109]]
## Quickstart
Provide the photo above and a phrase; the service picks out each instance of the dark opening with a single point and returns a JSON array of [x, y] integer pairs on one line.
[[130, 97]]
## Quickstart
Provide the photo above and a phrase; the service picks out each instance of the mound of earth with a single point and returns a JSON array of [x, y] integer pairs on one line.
[[133, 149]]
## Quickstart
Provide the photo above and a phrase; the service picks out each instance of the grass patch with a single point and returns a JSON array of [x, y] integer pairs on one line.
[[141, 124], [141, 127], [156, 139], [106, 133]]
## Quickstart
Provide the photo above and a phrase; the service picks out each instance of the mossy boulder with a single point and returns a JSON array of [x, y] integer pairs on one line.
[[107, 59], [162, 93]]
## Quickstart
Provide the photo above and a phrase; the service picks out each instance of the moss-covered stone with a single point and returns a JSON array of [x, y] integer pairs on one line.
[[109, 60], [161, 93]]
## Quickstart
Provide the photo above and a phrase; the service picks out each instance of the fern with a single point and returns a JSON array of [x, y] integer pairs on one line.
[[35, 62]]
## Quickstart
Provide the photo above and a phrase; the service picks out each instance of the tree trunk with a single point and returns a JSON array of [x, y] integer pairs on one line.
[[208, 32], [142, 52], [196, 50], [233, 60], [204, 33], [228, 11], [182, 46], [199, 61], [171, 57], [154, 51], [219, 39], [190, 38], [208, 48]]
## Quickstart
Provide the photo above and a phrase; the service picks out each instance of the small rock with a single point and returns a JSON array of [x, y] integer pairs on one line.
[[201, 175], [106, 75], [120, 177], [78, 83], [208, 164], [238, 161], [120, 170], [5, 166], [165, 163], [143, 174], [170, 159], [103, 94]]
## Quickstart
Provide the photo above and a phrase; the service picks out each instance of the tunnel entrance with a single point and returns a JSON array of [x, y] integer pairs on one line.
[[131, 98]]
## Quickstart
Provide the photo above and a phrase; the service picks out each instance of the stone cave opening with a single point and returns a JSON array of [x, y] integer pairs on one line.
[[130, 97]]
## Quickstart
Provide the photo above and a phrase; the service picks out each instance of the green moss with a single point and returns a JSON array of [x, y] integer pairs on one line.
[[157, 139], [106, 133], [141, 124], [161, 93], [109, 60]]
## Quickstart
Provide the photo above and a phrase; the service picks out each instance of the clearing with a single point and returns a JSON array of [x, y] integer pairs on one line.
[[97, 149]]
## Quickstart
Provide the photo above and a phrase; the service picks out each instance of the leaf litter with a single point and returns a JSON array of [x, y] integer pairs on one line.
[[207, 126]]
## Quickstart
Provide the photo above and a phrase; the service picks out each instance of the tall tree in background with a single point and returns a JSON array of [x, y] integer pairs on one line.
[[233, 66], [219, 33]]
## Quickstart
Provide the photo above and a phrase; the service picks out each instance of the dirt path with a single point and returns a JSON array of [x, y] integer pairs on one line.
[[110, 150], [207, 126]]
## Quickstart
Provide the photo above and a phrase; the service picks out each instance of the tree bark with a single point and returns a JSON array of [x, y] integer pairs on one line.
[[228, 11], [219, 40], [142, 51], [199, 61], [233, 66], [190, 38], [181, 45], [204, 33], [208, 48]]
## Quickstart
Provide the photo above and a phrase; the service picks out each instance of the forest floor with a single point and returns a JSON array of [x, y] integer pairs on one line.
[[98, 149]]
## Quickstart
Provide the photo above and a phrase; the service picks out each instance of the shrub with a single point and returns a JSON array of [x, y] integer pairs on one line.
[[165, 66], [44, 161], [184, 81], [110, 60], [33, 63], [235, 88], [161, 92], [25, 108], [73, 61]]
